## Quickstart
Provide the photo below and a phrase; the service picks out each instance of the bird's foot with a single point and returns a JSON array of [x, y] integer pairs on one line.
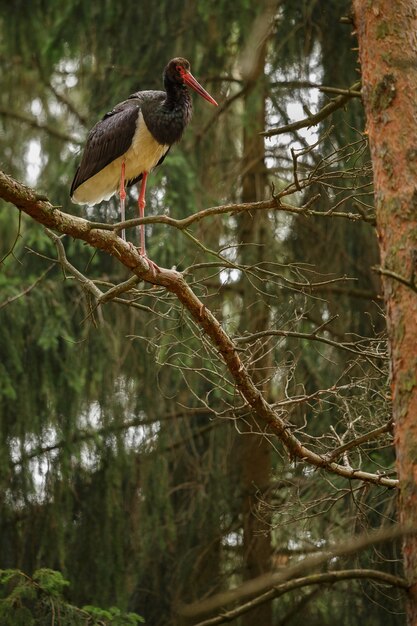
[[155, 269]]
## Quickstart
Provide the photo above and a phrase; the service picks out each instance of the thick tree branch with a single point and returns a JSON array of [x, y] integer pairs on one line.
[[273, 421]]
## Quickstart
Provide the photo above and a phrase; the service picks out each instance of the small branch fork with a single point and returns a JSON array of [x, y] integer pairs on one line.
[[44, 213]]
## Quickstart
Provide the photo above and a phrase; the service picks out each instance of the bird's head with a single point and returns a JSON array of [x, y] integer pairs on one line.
[[178, 71]]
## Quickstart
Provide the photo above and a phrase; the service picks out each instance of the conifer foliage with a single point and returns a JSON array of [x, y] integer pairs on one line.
[[168, 439]]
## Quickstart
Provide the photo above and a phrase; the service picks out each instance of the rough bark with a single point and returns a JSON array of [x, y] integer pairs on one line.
[[387, 33]]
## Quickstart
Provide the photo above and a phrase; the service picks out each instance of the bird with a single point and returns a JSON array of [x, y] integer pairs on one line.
[[134, 138]]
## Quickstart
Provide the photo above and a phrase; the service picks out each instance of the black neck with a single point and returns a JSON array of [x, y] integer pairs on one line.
[[168, 120], [177, 97]]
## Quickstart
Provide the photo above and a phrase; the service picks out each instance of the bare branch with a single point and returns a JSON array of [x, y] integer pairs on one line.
[[313, 120], [273, 579], [408, 282], [92, 434], [100, 296], [62, 98], [12, 247], [27, 290], [232, 209], [34, 123], [273, 421], [349, 347], [358, 441], [306, 581]]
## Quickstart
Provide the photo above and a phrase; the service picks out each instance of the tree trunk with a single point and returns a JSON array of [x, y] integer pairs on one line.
[[254, 449], [388, 51]]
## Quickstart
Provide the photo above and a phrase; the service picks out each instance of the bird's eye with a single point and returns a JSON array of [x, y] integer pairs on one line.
[[182, 72]]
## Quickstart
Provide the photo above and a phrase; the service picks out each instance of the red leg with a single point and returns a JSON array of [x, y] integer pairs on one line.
[[142, 204], [122, 195]]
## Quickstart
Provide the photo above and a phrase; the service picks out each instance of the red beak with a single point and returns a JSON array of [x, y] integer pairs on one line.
[[194, 84]]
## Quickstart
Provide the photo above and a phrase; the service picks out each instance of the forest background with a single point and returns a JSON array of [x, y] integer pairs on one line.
[[149, 461]]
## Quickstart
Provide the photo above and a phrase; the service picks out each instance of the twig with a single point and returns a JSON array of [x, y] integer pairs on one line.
[[354, 443], [313, 336], [404, 281], [12, 247], [28, 289], [100, 296], [117, 290], [342, 92]]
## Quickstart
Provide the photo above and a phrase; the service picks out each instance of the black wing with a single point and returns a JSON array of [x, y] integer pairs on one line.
[[108, 140]]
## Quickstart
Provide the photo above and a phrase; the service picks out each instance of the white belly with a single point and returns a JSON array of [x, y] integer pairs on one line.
[[142, 156]]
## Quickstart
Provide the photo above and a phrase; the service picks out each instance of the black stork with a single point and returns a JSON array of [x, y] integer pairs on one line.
[[133, 138]]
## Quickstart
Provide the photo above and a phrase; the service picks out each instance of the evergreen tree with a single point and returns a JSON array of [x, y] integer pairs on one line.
[[126, 458]]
